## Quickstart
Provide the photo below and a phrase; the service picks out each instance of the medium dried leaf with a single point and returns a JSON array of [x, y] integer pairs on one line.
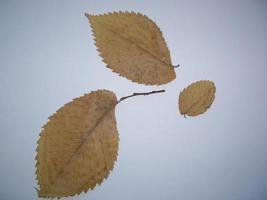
[[197, 98], [132, 45], [78, 146]]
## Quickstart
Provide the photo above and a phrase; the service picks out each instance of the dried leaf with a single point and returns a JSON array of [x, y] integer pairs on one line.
[[132, 45], [197, 98], [78, 146]]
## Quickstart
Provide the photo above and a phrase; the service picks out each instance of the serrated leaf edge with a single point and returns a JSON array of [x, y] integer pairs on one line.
[[108, 172], [102, 57], [196, 82]]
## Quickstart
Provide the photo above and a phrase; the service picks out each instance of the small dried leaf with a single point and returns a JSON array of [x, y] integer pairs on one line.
[[132, 45], [78, 146], [197, 98]]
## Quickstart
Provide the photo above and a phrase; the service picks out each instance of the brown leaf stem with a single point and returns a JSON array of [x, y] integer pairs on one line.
[[140, 93]]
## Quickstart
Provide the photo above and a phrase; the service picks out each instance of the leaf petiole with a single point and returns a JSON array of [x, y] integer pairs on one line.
[[140, 93]]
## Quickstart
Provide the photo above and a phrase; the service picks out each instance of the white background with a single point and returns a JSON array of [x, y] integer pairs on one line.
[[48, 57]]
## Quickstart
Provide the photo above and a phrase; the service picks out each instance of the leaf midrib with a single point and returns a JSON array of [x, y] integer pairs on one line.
[[204, 96], [76, 152], [136, 44]]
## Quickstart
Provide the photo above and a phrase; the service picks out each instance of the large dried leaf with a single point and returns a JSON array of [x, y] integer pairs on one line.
[[78, 146], [196, 98], [132, 45]]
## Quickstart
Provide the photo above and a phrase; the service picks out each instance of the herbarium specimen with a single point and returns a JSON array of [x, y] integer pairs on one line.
[[78, 146]]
